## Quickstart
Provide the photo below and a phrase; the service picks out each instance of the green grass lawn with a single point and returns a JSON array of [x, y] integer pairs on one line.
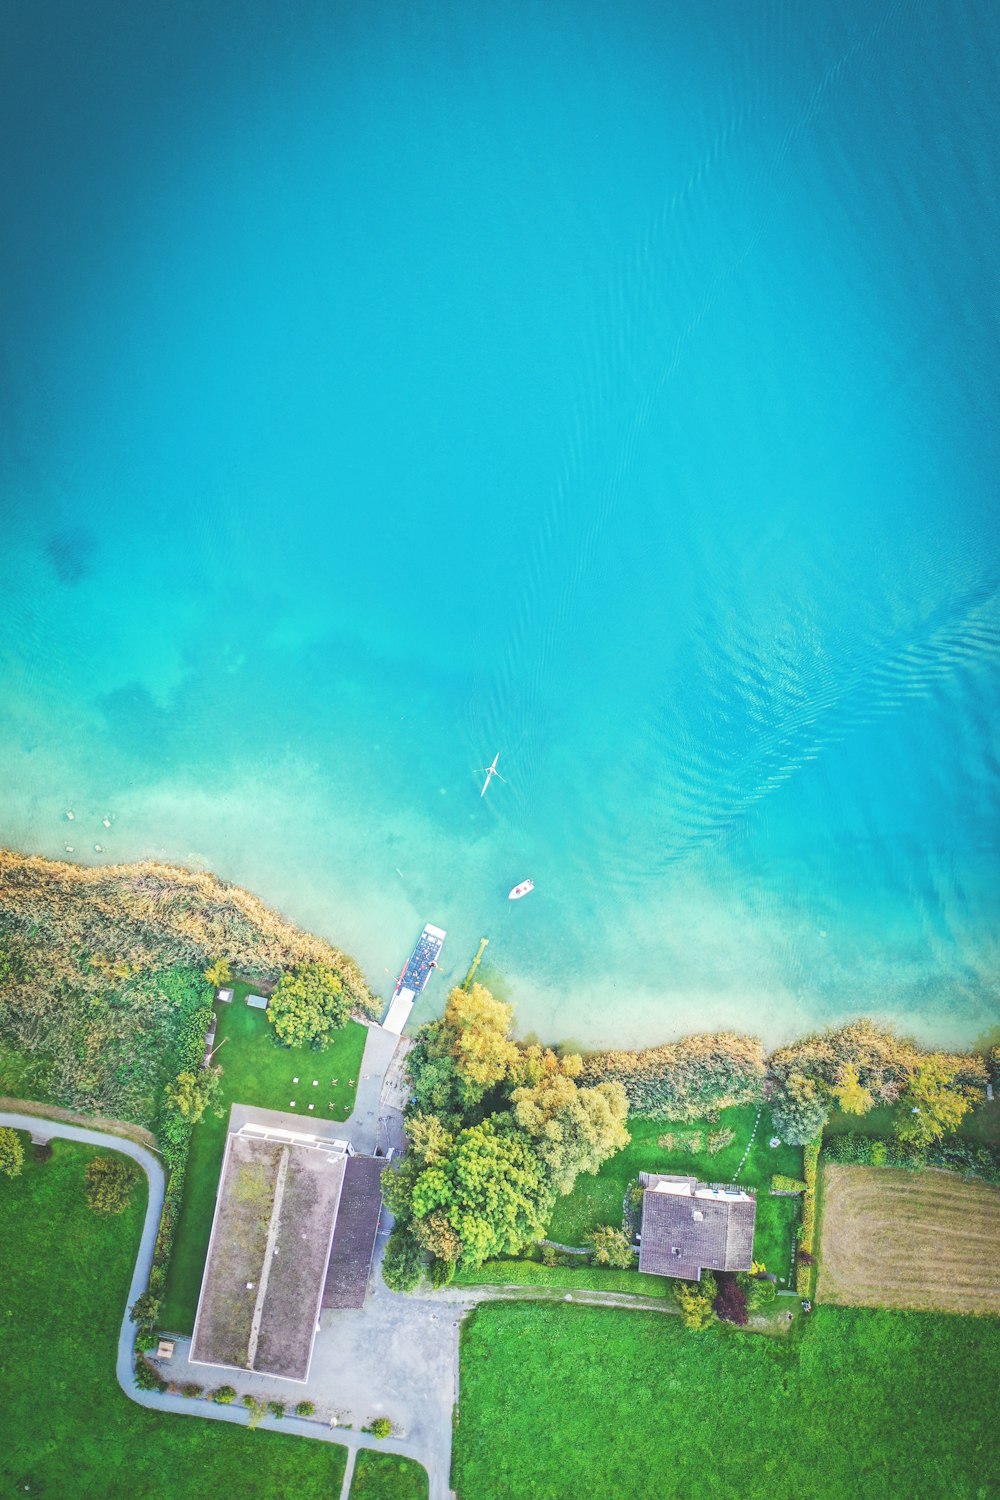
[[980, 1124], [594, 1278], [385, 1476], [68, 1429], [559, 1402], [255, 1070], [598, 1199]]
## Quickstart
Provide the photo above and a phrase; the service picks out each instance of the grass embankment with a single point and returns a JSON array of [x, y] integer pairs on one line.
[[598, 1199], [256, 1070], [567, 1278], [385, 1476], [893, 1238], [68, 1428], [561, 1401]]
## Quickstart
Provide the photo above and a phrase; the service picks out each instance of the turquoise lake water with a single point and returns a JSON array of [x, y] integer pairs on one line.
[[613, 386]]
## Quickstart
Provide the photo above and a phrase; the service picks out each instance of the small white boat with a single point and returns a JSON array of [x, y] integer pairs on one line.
[[521, 890]]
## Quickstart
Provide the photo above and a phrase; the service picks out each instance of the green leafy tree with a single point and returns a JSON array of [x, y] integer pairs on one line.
[[460, 1058], [397, 1189], [760, 1292], [190, 1094], [492, 1189], [933, 1105], [851, 1095], [574, 1129], [218, 973], [429, 1140], [308, 1005], [612, 1247], [111, 1181], [381, 1428], [695, 1300], [799, 1109], [11, 1152], [402, 1266]]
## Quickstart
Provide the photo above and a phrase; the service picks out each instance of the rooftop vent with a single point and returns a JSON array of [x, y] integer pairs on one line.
[[697, 1214], [675, 1250]]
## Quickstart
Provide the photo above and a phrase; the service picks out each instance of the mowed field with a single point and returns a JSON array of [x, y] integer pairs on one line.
[[909, 1239]]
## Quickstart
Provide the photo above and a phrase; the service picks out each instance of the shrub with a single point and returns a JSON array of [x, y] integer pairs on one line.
[[782, 1184], [883, 1063], [381, 1428], [110, 1181], [718, 1140], [145, 1341], [442, 1272], [257, 1410], [760, 1291], [550, 1255], [276, 1408], [191, 1388], [807, 1229], [730, 1303], [799, 1109], [684, 1079], [145, 1310], [225, 1395], [146, 1378], [695, 1300], [11, 1152], [612, 1247], [305, 1409]]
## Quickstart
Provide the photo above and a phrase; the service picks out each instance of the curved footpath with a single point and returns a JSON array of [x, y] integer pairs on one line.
[[124, 1369]]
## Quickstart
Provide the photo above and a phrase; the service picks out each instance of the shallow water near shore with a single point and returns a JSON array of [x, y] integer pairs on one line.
[[610, 387]]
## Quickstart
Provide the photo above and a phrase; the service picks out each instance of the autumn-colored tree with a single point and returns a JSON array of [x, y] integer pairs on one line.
[[851, 1095], [308, 1005], [695, 1300], [932, 1105], [575, 1129], [111, 1181], [481, 1045], [11, 1152], [437, 1235], [429, 1140], [191, 1093], [218, 973]]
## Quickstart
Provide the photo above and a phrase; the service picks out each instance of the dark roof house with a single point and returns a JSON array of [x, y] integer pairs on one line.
[[354, 1235], [689, 1227]]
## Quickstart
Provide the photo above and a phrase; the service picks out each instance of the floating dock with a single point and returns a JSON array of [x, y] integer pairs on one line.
[[413, 978]]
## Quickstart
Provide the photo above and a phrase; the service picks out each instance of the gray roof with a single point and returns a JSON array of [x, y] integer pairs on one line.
[[354, 1235], [695, 1227]]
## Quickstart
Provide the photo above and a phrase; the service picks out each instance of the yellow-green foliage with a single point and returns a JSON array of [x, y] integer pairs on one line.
[[68, 923], [882, 1062], [807, 1231], [695, 1299], [682, 1080]]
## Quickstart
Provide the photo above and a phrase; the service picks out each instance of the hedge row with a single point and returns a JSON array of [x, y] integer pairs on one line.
[[955, 1155], [807, 1229]]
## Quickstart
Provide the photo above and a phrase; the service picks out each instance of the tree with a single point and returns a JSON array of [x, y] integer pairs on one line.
[[730, 1300], [218, 973], [695, 1300], [308, 1005], [492, 1189], [403, 1262], [612, 1247], [759, 1290], [574, 1129], [851, 1095], [460, 1058], [429, 1140], [799, 1109], [191, 1093], [381, 1428], [110, 1183], [933, 1107], [11, 1152]]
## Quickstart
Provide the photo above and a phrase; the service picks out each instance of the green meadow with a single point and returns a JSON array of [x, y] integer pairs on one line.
[[561, 1401], [68, 1429]]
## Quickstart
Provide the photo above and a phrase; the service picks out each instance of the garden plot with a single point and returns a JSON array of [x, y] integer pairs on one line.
[[270, 1243], [924, 1240]]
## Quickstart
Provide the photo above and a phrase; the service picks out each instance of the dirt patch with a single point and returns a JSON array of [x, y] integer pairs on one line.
[[909, 1239]]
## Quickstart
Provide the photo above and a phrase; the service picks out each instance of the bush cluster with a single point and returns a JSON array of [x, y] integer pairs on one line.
[[956, 1155], [146, 1378], [685, 1079], [807, 1229], [782, 1184]]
